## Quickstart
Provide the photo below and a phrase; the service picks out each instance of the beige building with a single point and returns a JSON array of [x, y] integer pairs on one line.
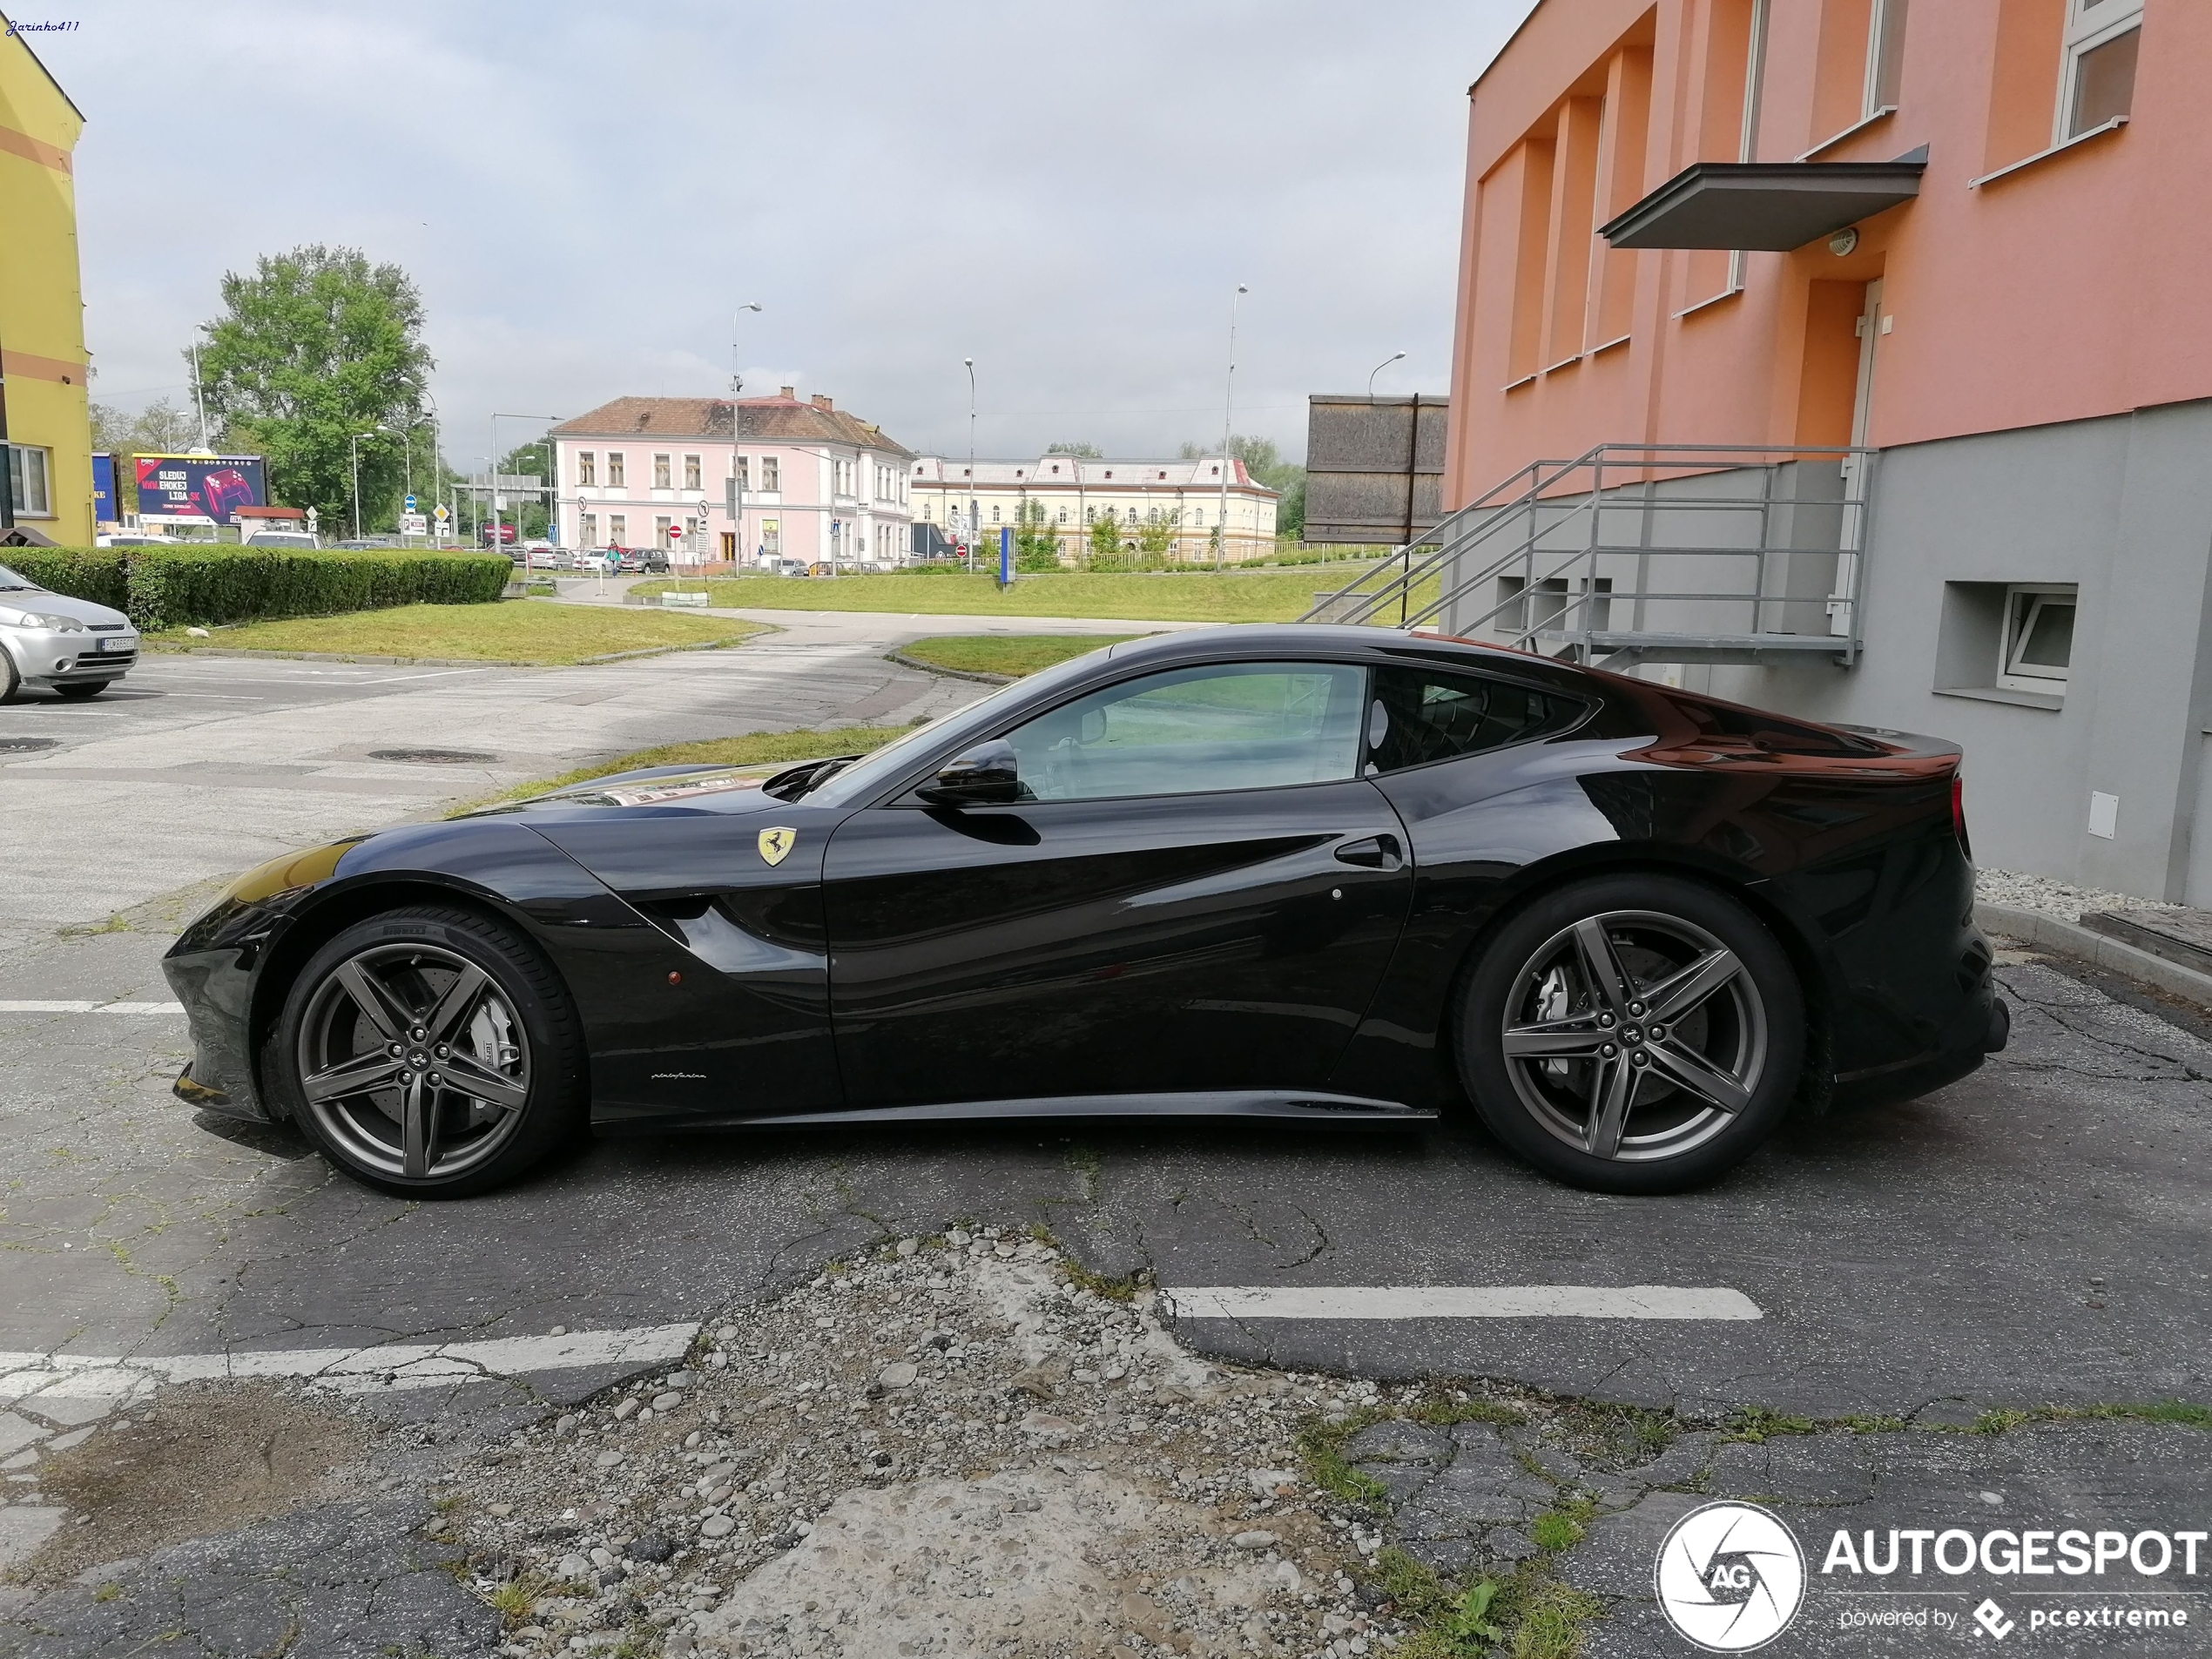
[[1185, 496]]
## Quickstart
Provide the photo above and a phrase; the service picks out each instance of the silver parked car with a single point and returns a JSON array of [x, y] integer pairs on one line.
[[75, 647]]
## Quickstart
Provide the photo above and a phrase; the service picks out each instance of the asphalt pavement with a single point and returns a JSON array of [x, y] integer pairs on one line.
[[2032, 1235]]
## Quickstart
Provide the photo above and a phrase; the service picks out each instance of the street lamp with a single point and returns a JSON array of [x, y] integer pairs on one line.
[[1228, 415], [737, 481], [972, 513], [354, 445], [494, 481], [1378, 368]]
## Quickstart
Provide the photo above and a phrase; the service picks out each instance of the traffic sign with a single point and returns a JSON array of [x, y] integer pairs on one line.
[[441, 514], [410, 504], [675, 532], [413, 523]]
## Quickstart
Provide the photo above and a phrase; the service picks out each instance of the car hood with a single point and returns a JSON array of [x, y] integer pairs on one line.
[[657, 790], [58, 604]]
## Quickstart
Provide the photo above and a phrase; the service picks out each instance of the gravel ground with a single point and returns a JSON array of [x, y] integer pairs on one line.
[[2046, 896], [951, 1448]]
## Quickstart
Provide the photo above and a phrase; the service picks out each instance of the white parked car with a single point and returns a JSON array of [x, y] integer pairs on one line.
[[281, 538], [71, 646]]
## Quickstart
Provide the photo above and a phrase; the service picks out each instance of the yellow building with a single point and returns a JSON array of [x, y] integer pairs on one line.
[[42, 411]]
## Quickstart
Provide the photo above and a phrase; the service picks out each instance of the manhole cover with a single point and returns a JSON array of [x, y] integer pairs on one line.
[[433, 756], [27, 745]]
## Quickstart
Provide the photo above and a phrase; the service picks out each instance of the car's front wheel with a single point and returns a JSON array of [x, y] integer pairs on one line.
[[1633, 1033], [431, 1052]]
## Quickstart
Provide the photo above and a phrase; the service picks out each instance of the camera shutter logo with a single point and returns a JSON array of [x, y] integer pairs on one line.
[[1730, 1577]]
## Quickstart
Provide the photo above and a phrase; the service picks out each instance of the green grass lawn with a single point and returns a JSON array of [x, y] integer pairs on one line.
[[1272, 596], [763, 749], [1013, 655], [508, 630]]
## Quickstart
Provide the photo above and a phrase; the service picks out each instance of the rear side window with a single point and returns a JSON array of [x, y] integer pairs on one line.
[[1418, 715]]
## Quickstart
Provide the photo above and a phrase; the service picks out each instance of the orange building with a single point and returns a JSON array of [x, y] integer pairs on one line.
[[1936, 280]]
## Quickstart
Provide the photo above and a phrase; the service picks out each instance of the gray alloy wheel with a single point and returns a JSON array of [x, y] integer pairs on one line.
[[1632, 1032], [413, 1061], [1633, 1035]]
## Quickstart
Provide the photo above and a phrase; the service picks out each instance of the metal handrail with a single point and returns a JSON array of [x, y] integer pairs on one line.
[[1535, 494]]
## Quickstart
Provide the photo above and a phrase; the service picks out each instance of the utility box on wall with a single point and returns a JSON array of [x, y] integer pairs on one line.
[[1375, 467]]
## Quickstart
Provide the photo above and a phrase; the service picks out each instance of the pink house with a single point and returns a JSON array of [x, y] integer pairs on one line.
[[808, 480], [1940, 276]]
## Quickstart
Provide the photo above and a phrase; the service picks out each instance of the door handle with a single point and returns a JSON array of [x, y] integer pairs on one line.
[[1372, 853]]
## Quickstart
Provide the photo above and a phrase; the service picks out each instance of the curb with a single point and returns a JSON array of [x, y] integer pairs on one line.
[[2071, 939], [437, 662], [905, 661]]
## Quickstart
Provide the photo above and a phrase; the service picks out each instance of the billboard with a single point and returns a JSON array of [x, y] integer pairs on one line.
[[212, 486], [105, 511]]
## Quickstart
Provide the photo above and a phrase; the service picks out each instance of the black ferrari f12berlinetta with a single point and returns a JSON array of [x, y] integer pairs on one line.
[[1301, 874]]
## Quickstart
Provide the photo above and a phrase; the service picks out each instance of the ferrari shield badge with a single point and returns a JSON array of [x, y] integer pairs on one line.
[[775, 843]]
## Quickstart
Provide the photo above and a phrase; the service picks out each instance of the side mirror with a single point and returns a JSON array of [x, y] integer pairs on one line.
[[987, 775]]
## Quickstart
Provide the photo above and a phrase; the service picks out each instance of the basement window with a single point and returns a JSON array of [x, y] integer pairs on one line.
[[2039, 637]]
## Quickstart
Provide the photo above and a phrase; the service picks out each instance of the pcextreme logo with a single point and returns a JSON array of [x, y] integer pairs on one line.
[[1730, 1577]]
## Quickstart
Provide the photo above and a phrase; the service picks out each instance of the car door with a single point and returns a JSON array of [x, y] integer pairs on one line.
[[1197, 892]]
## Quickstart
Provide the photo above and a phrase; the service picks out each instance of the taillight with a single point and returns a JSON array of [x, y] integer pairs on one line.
[[1958, 815]]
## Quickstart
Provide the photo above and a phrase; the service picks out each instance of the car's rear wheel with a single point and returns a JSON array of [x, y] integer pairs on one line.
[[431, 1052], [82, 689], [1633, 1033], [10, 682]]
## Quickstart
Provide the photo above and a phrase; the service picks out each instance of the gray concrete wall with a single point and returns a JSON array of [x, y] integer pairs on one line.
[[2121, 506]]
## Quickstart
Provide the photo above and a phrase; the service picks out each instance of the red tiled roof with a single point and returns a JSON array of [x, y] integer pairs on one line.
[[762, 420]]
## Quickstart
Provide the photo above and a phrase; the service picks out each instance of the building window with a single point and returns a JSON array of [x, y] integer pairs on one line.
[[1885, 56], [615, 480], [2098, 84], [660, 530], [30, 480], [691, 472], [2039, 636], [619, 529], [660, 472], [587, 468], [1063, 516], [587, 529], [742, 471], [771, 532], [769, 485]]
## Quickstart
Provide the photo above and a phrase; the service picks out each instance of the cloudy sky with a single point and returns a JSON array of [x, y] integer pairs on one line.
[[1068, 194]]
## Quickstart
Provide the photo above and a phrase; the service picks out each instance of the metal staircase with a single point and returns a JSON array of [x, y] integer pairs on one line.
[[1643, 553]]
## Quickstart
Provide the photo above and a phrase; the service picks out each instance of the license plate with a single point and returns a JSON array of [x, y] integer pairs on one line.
[[118, 644]]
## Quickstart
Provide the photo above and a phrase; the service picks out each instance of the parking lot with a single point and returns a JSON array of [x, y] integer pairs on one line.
[[2030, 1236]]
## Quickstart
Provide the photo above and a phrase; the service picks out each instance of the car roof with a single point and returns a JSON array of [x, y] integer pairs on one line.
[[1306, 639]]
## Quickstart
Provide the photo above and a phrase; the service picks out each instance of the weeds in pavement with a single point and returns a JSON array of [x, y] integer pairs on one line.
[[2165, 1410], [1755, 1424], [1321, 1452]]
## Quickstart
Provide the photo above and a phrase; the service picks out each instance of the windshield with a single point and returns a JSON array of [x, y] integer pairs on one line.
[[11, 582], [870, 773]]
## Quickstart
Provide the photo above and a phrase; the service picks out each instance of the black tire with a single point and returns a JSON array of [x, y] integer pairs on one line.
[[10, 682], [82, 690], [1593, 1092], [512, 1032]]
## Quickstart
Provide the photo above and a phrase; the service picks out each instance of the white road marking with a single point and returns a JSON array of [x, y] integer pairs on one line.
[[353, 1370], [91, 1008], [1460, 1302]]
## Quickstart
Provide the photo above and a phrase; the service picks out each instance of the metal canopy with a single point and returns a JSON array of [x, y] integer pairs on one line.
[[1771, 204]]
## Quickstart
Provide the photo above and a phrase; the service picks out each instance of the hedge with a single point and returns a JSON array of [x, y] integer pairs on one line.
[[172, 587]]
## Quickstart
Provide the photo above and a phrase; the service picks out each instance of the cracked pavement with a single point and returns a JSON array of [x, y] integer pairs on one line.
[[2032, 1235]]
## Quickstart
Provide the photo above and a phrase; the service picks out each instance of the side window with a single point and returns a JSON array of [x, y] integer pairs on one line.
[[1245, 725], [1418, 715]]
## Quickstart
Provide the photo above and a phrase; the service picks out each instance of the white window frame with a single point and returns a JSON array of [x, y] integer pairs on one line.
[[24, 460], [1885, 27], [664, 470], [693, 473], [2089, 24], [587, 468], [617, 471], [2022, 601]]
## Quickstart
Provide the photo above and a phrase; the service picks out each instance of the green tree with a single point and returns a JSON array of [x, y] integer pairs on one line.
[[1105, 541], [1035, 547], [1081, 451], [160, 428], [314, 348], [1156, 536]]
